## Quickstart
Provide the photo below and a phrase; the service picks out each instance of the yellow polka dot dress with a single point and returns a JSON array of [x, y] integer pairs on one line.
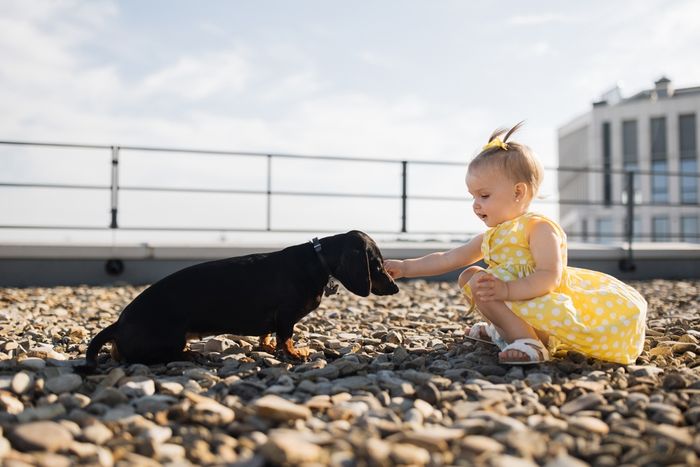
[[590, 312]]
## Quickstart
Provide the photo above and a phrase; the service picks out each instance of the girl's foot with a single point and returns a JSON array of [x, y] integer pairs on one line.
[[478, 332], [524, 352], [486, 333]]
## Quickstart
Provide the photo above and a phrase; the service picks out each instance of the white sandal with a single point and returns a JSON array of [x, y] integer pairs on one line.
[[533, 348], [476, 331]]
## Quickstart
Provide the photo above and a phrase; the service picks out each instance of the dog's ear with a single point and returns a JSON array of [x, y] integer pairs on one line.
[[353, 271]]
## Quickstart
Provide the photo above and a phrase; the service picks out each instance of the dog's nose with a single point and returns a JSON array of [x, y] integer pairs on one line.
[[389, 289]]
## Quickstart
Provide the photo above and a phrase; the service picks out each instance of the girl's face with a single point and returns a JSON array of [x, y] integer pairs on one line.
[[496, 198]]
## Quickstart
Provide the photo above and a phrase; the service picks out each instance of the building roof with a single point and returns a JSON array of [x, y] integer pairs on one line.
[[661, 90]]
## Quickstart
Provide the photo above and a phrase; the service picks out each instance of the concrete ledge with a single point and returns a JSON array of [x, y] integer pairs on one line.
[[24, 265]]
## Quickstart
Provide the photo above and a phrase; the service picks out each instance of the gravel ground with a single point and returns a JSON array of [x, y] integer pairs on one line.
[[391, 380]]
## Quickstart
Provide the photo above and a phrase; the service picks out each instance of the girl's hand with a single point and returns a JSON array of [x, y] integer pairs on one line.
[[395, 268], [490, 288]]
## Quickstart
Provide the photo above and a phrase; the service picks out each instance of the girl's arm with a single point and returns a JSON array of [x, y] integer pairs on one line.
[[544, 245], [437, 263]]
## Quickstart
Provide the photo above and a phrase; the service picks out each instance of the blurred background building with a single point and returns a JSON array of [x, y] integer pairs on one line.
[[653, 133]]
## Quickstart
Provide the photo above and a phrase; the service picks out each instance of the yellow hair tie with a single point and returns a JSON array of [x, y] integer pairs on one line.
[[495, 143]]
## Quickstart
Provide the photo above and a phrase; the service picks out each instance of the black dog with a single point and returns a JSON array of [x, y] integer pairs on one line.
[[252, 295]]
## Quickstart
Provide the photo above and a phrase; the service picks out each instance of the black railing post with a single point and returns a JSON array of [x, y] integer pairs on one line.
[[269, 192], [404, 167], [115, 187], [627, 264]]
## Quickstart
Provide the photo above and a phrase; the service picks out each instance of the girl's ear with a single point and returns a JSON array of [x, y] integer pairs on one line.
[[520, 191]]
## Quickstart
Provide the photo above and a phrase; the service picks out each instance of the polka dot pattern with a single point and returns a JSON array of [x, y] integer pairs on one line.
[[590, 312]]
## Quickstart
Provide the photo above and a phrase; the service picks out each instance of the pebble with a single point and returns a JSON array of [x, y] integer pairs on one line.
[[582, 403], [40, 436], [407, 389], [63, 383], [277, 408], [97, 433], [290, 449], [21, 382]]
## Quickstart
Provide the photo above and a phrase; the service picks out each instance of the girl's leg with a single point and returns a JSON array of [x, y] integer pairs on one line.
[[466, 277], [509, 325]]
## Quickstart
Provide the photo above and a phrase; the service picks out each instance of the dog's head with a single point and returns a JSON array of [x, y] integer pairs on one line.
[[360, 266]]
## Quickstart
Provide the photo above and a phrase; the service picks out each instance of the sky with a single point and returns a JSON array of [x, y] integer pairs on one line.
[[395, 80]]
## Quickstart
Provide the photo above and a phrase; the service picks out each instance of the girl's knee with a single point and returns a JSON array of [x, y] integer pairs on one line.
[[474, 277], [466, 275]]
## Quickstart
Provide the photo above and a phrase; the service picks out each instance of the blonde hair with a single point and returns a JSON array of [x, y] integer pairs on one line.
[[515, 160]]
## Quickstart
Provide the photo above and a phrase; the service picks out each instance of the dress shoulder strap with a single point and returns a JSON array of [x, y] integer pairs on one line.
[[533, 217]]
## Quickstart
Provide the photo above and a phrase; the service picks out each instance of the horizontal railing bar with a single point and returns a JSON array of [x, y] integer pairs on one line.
[[623, 171], [58, 145], [54, 185], [284, 230], [258, 192], [334, 158], [324, 194], [214, 152]]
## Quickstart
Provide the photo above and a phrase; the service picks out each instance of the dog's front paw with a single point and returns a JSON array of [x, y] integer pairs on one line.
[[299, 354]]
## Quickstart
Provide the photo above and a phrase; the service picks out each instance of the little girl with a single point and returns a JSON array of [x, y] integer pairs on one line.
[[533, 302]]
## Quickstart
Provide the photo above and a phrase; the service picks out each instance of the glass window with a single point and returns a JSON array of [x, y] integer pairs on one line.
[[660, 229], [604, 229], [659, 182], [629, 142], [607, 164], [689, 185], [637, 180], [636, 228], [689, 229], [658, 138], [687, 136]]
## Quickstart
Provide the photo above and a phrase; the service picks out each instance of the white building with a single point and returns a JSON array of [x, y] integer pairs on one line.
[[654, 132]]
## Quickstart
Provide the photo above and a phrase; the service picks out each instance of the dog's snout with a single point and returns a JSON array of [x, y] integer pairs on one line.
[[384, 285]]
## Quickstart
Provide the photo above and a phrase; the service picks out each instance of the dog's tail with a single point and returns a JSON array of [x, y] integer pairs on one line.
[[104, 336]]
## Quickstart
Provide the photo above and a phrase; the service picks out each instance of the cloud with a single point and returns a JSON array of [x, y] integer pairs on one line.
[[537, 19], [670, 36], [195, 78]]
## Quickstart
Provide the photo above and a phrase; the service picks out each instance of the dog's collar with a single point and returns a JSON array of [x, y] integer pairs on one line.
[[330, 288], [317, 248]]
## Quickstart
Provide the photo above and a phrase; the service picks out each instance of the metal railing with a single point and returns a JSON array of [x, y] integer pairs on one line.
[[581, 175]]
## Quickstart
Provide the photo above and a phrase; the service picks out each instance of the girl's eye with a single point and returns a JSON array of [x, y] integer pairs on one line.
[[484, 196]]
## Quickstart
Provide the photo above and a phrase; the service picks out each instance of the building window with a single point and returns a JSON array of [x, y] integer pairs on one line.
[[607, 165], [604, 230], [629, 142], [689, 229], [636, 228], [687, 136], [659, 181], [688, 159], [689, 185], [630, 158], [660, 231]]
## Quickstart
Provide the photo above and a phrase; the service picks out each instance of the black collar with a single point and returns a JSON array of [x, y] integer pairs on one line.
[[317, 248]]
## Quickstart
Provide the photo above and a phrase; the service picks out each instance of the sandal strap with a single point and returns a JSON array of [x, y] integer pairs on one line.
[[495, 336], [475, 331], [530, 347]]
